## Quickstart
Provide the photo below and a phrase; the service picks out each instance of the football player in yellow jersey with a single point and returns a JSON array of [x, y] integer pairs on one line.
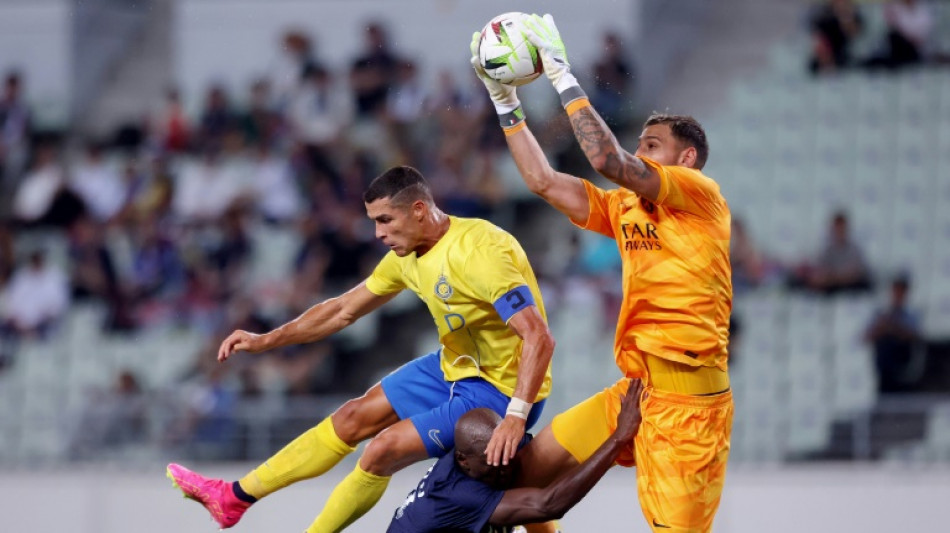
[[496, 353], [672, 227]]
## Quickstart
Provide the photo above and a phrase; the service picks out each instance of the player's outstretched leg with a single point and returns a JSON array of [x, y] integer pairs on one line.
[[311, 454], [216, 495], [395, 448]]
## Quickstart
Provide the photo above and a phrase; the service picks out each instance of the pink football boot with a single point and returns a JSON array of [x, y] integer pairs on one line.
[[215, 494]]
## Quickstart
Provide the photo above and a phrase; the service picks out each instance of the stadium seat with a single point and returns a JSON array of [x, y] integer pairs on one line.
[[274, 250], [854, 383], [809, 426], [763, 439], [937, 315], [937, 437], [876, 96], [850, 315]]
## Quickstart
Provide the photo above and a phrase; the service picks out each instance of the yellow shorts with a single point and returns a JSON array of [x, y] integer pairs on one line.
[[680, 451]]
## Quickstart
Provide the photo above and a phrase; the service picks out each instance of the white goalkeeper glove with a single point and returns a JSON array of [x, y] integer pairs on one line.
[[503, 96], [543, 33]]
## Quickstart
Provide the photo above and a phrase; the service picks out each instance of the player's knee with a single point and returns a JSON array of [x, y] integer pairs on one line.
[[382, 455], [348, 424]]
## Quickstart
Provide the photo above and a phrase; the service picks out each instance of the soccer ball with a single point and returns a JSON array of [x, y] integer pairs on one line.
[[504, 52]]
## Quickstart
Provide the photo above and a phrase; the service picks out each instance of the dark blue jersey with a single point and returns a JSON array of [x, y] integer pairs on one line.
[[448, 501]]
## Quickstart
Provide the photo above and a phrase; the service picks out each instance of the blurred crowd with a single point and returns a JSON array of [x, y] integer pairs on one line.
[[158, 217], [907, 38], [840, 267]]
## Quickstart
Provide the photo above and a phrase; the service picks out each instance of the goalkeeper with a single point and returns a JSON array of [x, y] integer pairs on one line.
[[672, 226]]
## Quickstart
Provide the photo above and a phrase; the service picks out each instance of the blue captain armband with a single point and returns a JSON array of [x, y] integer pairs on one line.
[[513, 301]]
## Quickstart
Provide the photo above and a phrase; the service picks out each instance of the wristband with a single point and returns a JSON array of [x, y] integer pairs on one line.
[[519, 408], [512, 118], [509, 131], [576, 106], [570, 94]]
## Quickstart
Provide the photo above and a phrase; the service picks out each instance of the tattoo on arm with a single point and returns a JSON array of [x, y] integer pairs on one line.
[[604, 152], [592, 134]]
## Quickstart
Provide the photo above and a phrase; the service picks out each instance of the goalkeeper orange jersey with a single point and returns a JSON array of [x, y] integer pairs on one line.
[[677, 280]]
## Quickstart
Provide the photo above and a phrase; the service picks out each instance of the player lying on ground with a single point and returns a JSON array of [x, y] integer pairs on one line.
[[463, 492], [496, 353]]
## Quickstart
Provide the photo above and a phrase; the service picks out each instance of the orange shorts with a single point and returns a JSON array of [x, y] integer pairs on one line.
[[680, 451]]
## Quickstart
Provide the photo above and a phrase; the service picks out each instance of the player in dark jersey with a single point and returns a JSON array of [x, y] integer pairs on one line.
[[461, 492]]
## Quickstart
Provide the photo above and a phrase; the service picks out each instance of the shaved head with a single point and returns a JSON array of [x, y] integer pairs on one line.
[[474, 429]]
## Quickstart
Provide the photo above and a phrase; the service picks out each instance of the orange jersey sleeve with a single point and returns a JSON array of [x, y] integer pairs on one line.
[[677, 288], [687, 189]]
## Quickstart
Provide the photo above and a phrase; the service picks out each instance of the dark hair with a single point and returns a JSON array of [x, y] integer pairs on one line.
[[902, 281], [402, 185], [687, 130], [12, 78]]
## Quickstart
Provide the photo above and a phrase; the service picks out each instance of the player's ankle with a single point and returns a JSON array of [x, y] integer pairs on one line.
[[241, 494]]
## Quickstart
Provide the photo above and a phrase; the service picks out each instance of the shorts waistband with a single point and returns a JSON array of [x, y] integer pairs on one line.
[[672, 376], [711, 401]]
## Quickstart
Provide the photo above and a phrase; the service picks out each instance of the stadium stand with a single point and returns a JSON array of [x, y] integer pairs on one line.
[[788, 150]]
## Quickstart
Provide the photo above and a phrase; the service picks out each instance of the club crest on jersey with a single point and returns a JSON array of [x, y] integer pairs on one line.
[[442, 288]]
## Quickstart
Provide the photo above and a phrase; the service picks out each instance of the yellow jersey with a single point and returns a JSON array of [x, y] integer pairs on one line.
[[473, 280], [677, 280]]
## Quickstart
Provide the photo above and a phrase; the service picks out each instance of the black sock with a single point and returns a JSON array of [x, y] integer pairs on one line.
[[241, 495]]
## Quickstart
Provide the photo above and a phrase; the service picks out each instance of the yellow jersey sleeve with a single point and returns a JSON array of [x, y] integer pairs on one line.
[[688, 189], [498, 281], [387, 277]]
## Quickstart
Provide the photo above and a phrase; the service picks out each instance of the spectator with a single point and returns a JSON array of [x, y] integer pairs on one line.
[[42, 198], [156, 266], [613, 83], [231, 251], [834, 26], [98, 184], [748, 264], [217, 118], [342, 253], [94, 274], [206, 189], [111, 418], [151, 192], [174, 131], [408, 95], [262, 122], [276, 191], [373, 72], [909, 23], [310, 265], [208, 427], [317, 117], [358, 171], [405, 108], [6, 253], [839, 267], [446, 101], [204, 299], [35, 299], [466, 186], [15, 129], [296, 57], [894, 333]]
